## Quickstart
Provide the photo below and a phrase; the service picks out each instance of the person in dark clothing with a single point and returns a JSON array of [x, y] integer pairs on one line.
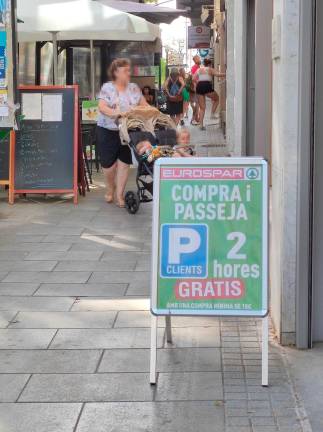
[[173, 87]]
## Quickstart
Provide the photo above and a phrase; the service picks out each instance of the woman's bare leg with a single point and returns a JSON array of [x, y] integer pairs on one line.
[[215, 101], [186, 106], [202, 105], [110, 178], [121, 181]]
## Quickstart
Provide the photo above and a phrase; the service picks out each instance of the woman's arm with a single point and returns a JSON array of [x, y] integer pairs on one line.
[[143, 101], [214, 72], [165, 87], [106, 110], [182, 85]]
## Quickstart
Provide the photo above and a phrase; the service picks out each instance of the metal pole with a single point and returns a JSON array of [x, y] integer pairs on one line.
[[153, 349], [55, 57], [264, 352], [92, 70]]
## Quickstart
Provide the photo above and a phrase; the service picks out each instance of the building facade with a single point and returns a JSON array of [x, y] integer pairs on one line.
[[274, 110]]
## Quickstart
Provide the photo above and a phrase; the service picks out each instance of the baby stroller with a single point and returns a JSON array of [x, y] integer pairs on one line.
[[145, 170]]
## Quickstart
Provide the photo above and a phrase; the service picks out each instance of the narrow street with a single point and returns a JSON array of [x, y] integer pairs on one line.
[[74, 337]]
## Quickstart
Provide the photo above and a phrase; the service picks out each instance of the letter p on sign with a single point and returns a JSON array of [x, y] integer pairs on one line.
[[182, 241], [184, 251]]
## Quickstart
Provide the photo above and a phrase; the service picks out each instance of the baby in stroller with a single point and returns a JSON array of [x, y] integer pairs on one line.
[[151, 135], [148, 151]]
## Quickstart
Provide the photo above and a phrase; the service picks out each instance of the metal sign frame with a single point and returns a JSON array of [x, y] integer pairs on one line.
[[263, 313]]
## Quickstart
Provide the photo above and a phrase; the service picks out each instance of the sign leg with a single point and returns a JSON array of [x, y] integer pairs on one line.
[[153, 349], [264, 351], [169, 329]]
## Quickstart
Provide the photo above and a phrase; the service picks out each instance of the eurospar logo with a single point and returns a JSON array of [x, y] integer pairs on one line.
[[184, 251], [206, 173], [252, 173]]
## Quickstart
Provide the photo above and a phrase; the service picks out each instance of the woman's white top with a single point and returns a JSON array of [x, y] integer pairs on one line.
[[203, 74], [123, 101]]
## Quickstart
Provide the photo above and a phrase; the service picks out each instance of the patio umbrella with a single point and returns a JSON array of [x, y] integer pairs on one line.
[[53, 20]]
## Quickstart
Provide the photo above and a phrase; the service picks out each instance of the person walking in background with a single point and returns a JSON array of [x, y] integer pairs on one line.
[[193, 97], [116, 98], [147, 93], [186, 95], [173, 87], [204, 88], [196, 65]]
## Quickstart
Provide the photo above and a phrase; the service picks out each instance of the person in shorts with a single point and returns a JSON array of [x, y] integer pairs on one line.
[[116, 98], [204, 88]]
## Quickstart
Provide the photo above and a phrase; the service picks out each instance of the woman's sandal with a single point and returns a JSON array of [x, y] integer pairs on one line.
[[121, 204]]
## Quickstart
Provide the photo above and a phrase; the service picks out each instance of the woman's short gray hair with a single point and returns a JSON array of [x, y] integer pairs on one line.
[[174, 71]]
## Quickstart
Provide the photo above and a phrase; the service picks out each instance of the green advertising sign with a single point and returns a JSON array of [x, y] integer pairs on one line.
[[210, 237]]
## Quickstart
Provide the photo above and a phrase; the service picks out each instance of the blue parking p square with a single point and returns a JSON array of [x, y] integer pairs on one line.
[[184, 251]]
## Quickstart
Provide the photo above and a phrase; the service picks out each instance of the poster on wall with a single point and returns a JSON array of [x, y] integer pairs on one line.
[[3, 62], [2, 12], [198, 37]]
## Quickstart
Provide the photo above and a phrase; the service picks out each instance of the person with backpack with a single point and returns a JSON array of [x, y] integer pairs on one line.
[[173, 88]]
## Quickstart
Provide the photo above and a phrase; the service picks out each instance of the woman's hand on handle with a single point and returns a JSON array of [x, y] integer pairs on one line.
[[108, 111]]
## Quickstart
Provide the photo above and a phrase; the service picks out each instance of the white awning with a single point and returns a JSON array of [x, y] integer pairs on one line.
[[151, 12], [80, 20]]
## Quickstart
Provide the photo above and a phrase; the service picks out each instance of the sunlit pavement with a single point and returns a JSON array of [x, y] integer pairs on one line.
[[74, 333]]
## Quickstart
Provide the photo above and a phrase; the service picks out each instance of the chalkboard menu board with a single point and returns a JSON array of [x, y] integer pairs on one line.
[[4, 154], [46, 144]]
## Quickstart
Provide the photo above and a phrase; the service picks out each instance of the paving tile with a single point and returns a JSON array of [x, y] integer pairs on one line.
[[35, 303], [180, 360], [29, 247], [25, 339], [3, 275], [64, 320], [48, 277], [18, 289], [11, 386], [189, 386], [138, 289], [11, 255], [81, 290], [22, 238], [97, 266], [196, 337], [49, 361], [143, 319], [93, 304], [26, 266], [64, 256], [39, 417], [152, 417], [104, 339], [88, 388], [6, 317], [45, 230], [120, 277]]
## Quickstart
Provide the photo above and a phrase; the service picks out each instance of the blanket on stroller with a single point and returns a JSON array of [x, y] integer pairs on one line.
[[145, 119]]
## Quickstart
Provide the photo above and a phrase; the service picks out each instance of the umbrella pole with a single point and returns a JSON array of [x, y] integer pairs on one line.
[[55, 57], [92, 70]]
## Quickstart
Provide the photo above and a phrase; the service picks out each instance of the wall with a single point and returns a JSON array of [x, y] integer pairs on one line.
[[236, 76], [284, 172]]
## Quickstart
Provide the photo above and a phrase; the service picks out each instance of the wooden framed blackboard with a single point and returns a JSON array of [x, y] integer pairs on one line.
[[7, 142], [46, 150]]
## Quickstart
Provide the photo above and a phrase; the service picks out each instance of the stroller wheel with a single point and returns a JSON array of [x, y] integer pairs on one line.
[[132, 202]]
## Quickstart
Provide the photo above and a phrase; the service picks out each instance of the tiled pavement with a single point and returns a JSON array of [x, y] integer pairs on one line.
[[74, 335]]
